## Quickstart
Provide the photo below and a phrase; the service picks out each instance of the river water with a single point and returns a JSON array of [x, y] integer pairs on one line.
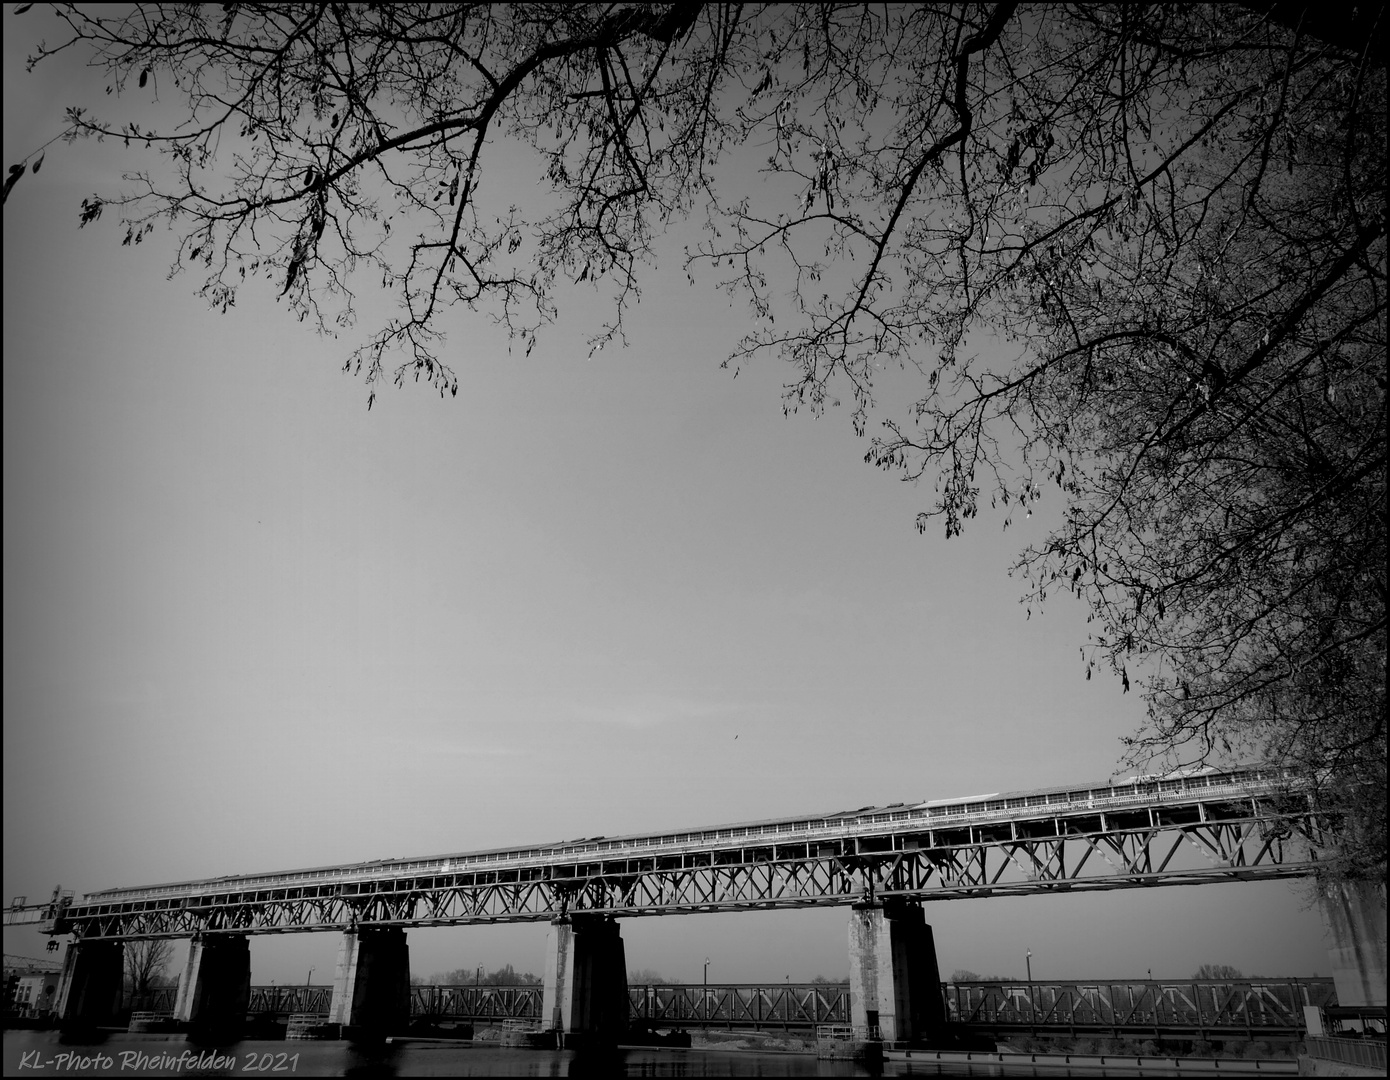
[[46, 1053]]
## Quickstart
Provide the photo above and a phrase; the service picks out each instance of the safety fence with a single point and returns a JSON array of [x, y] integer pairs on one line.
[[1365, 1053]]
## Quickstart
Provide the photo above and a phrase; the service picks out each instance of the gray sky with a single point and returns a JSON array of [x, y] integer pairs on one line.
[[250, 626]]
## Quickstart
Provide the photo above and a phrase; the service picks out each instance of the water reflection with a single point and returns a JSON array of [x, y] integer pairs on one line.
[[41, 1053], [37, 1053]]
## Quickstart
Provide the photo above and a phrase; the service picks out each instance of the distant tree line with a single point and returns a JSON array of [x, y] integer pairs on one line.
[[1217, 971], [1206, 971], [509, 976], [478, 976], [964, 975]]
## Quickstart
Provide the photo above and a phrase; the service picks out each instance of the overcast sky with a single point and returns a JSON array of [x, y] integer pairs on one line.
[[250, 626]]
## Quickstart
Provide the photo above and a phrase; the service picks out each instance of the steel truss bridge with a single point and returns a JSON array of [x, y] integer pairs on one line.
[[1199, 1009], [775, 1006], [1211, 1010], [1177, 829]]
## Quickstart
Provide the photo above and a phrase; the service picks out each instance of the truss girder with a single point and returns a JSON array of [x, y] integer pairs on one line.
[[905, 862], [488, 1003], [801, 1005], [286, 1000], [1202, 1008], [1216, 1009]]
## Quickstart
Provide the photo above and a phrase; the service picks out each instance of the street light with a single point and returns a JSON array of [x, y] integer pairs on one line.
[[1028, 959], [706, 986], [309, 977]]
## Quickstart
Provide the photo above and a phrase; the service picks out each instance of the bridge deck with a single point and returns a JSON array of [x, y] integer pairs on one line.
[[1180, 829]]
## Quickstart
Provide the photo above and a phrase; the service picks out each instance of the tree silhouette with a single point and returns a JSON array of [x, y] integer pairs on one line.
[[1217, 971], [146, 967], [1132, 256]]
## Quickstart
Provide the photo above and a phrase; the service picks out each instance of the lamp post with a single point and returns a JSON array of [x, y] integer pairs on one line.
[[705, 983], [1028, 959]]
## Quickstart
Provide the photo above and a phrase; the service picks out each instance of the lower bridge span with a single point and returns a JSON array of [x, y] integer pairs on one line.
[[1199, 1009]]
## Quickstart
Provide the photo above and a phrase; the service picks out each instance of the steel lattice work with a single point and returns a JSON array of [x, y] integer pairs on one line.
[[1173, 830], [802, 1005], [485, 1003], [1210, 1009], [1204, 1009], [285, 1000]]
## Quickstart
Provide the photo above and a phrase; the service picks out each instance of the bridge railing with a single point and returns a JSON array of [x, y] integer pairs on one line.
[[1361, 1053], [1197, 1006]]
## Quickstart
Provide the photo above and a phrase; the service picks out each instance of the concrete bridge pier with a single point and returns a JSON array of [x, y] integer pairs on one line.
[[894, 981], [215, 985], [1353, 919], [91, 985], [371, 987], [585, 994]]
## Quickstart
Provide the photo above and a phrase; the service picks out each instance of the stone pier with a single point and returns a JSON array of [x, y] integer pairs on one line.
[[585, 994], [894, 982], [215, 986], [371, 987], [89, 990], [1353, 919]]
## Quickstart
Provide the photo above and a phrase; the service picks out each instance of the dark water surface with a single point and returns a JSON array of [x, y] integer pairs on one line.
[[45, 1053]]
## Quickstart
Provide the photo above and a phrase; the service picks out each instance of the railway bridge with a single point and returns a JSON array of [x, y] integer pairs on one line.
[[885, 863], [1211, 1009]]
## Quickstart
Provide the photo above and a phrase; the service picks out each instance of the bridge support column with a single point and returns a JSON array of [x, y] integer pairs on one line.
[[585, 995], [371, 987], [93, 979], [215, 986], [1353, 919], [894, 982]]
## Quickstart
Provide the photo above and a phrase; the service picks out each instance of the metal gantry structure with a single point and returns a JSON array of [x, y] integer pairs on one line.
[[1186, 828]]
